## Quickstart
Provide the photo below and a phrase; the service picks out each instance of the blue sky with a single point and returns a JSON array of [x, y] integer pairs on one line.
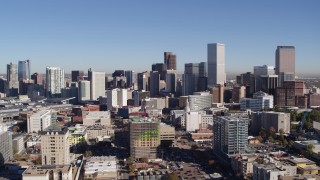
[[124, 34]]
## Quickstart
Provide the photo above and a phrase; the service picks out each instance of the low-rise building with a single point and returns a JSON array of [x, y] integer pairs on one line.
[[277, 120], [91, 118], [47, 172], [101, 167], [304, 165], [271, 171], [243, 164], [95, 131], [77, 135]]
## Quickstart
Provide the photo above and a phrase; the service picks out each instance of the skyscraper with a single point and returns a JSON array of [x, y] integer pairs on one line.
[[24, 70], [54, 81], [97, 84], [144, 139], [84, 90], [190, 78], [170, 60], [12, 80], [230, 134], [285, 63], [154, 83], [5, 146], [216, 64], [75, 75], [37, 78], [129, 77], [143, 81]]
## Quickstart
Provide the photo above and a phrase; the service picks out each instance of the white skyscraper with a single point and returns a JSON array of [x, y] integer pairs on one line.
[[84, 90], [54, 81], [97, 80], [216, 64], [116, 98]]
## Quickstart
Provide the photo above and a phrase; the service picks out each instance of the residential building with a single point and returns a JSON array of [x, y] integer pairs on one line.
[[216, 64], [116, 98], [78, 134], [5, 146], [270, 171], [144, 139], [39, 121], [230, 134], [243, 164], [54, 81], [55, 146], [266, 120], [18, 144]]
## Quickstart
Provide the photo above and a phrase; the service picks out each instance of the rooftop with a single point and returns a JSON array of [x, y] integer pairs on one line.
[[56, 129], [301, 161], [43, 170], [101, 164]]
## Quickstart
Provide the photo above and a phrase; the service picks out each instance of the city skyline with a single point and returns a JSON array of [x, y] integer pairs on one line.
[[135, 35]]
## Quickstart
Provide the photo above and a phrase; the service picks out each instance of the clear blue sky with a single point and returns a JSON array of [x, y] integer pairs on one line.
[[108, 35]]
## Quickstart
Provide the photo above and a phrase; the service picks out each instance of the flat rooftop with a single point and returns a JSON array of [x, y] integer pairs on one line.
[[43, 170], [301, 161], [100, 164]]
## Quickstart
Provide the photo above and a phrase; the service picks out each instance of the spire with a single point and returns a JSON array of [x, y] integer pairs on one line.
[[187, 108]]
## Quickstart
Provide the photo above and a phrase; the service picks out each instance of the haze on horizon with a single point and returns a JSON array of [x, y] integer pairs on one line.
[[109, 35]]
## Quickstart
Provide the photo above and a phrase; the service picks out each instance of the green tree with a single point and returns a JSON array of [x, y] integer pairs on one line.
[[290, 144], [281, 136], [285, 143], [144, 160], [173, 176], [87, 153], [38, 161], [309, 150], [272, 132], [262, 133]]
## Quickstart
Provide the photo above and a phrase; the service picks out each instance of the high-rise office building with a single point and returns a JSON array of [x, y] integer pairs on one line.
[[170, 60], [143, 81], [97, 84], [216, 64], [171, 82], [129, 77], [144, 139], [161, 68], [12, 80], [76, 75], [285, 63], [203, 69], [260, 71], [55, 146], [154, 83], [37, 78], [116, 98], [230, 134], [24, 68], [54, 81], [288, 94], [84, 90], [190, 78]]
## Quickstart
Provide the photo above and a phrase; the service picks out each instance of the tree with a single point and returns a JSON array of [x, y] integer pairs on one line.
[[272, 132], [309, 150], [144, 160], [281, 137], [259, 138], [290, 144], [38, 161], [262, 133], [15, 128], [173, 176], [88, 153], [285, 143]]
